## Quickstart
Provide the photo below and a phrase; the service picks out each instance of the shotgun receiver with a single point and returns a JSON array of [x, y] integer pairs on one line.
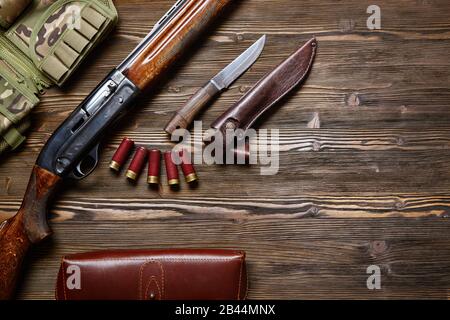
[[72, 151]]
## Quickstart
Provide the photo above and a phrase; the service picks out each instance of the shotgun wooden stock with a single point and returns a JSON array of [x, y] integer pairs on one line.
[[68, 144], [29, 226]]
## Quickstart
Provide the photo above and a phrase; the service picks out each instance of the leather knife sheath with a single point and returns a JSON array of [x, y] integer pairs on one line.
[[269, 90], [174, 274]]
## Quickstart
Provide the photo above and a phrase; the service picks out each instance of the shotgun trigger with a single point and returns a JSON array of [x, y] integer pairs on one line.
[[87, 165]]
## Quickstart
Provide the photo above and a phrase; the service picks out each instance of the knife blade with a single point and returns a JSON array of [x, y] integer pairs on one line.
[[186, 114]]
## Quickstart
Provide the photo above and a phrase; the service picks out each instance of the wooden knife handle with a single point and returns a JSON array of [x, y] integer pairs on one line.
[[29, 226], [187, 114]]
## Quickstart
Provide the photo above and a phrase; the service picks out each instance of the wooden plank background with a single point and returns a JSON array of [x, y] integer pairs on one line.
[[370, 186]]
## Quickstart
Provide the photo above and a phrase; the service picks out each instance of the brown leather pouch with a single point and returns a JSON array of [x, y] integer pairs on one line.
[[153, 275]]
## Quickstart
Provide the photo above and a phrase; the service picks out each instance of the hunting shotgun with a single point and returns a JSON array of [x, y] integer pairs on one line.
[[72, 151]]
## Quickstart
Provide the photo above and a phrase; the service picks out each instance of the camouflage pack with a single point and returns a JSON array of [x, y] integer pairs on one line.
[[45, 42]]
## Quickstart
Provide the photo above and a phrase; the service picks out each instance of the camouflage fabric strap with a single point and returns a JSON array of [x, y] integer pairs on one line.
[[58, 35], [16, 102], [10, 10], [14, 137], [14, 107]]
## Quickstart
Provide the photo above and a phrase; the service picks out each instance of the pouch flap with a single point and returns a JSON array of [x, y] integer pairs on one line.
[[57, 36], [54, 67], [75, 40], [94, 17], [153, 275], [15, 136], [66, 54]]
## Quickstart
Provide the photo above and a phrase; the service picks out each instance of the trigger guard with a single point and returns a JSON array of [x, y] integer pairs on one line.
[[78, 173]]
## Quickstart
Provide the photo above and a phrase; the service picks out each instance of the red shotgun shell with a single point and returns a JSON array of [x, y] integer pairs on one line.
[[154, 166], [188, 168], [173, 178], [137, 164], [122, 154]]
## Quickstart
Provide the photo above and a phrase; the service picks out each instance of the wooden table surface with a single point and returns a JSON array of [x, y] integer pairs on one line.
[[369, 186]]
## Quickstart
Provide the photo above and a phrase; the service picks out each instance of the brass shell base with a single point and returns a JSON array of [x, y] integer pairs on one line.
[[131, 175], [173, 182], [114, 166], [152, 180], [191, 178]]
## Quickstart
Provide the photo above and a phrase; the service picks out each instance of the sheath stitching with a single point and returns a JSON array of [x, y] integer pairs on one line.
[[169, 259], [141, 295], [57, 290], [152, 279], [240, 281], [64, 281]]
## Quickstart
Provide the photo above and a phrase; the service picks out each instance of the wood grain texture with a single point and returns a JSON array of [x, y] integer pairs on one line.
[[29, 226], [14, 246], [188, 113], [168, 45], [364, 173]]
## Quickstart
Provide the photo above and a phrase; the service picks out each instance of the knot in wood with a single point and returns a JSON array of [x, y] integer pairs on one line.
[[378, 247], [353, 100]]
